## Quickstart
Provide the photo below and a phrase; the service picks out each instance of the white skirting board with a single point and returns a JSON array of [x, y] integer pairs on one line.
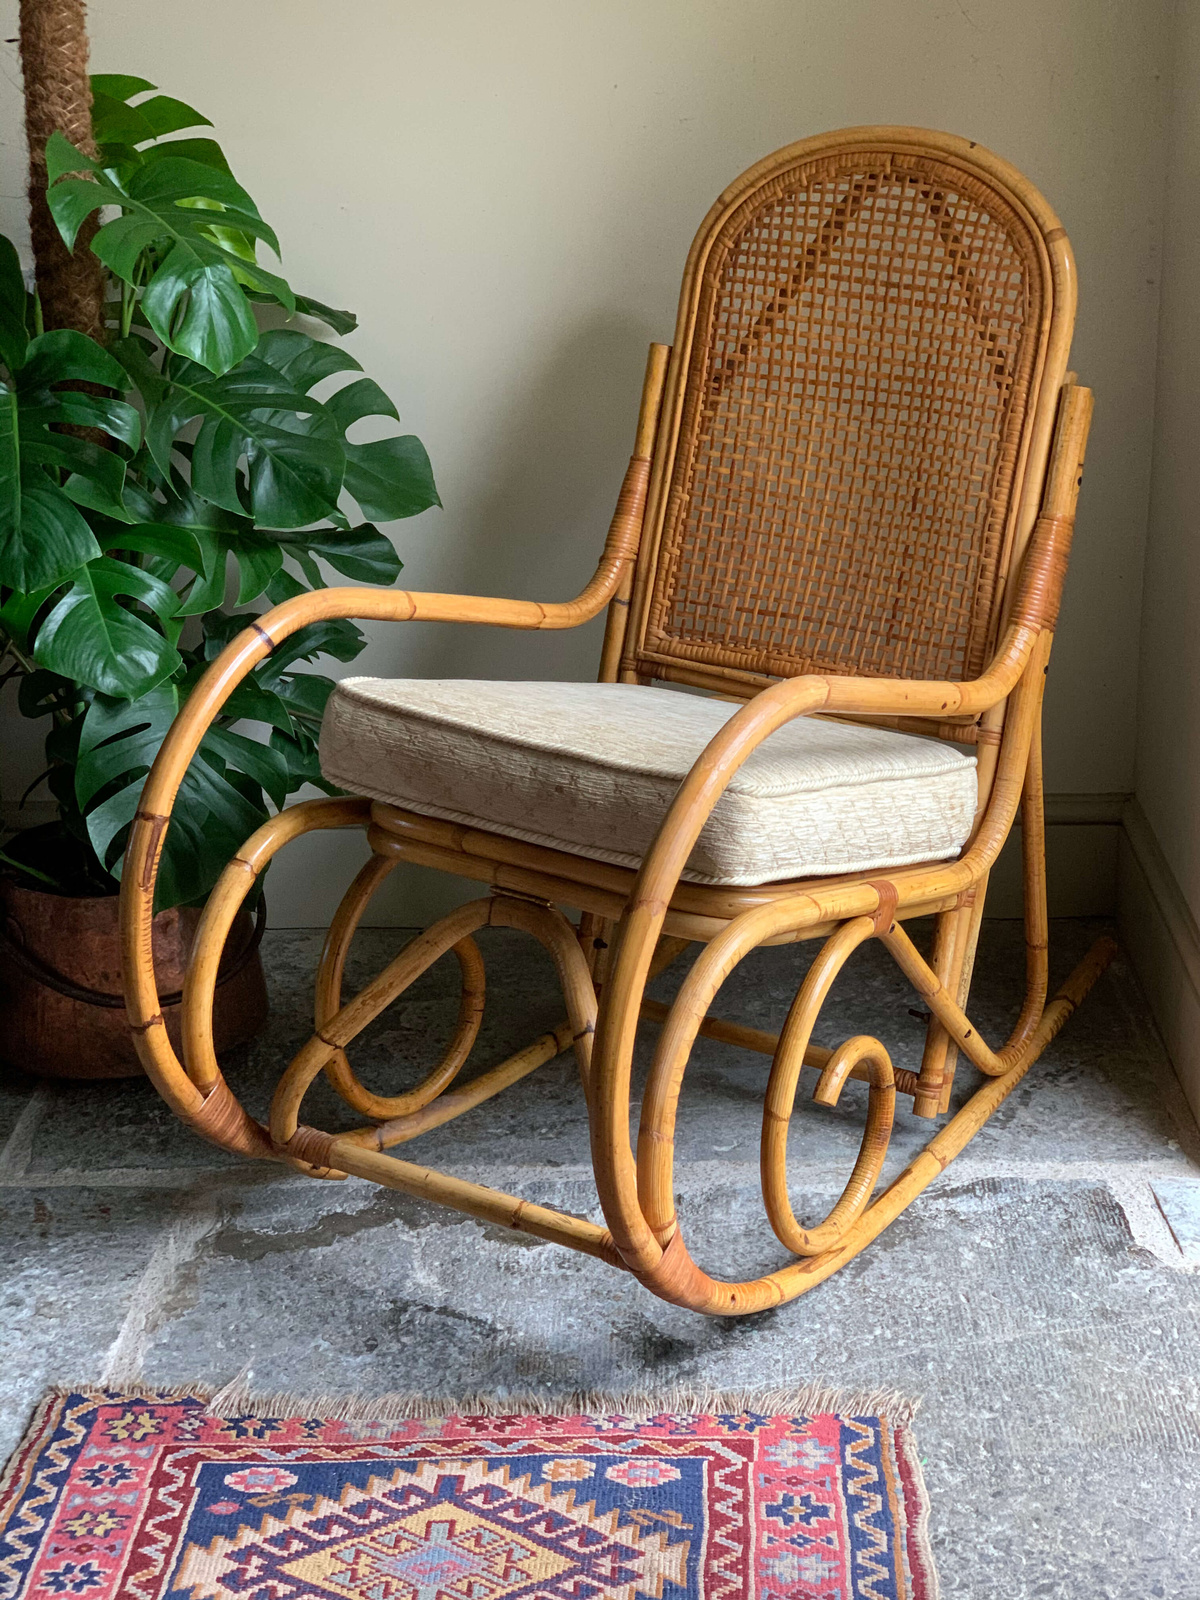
[[305, 884], [1159, 934], [1082, 831], [1081, 852]]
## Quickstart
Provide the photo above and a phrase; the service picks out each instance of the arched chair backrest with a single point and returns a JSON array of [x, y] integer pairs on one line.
[[873, 329]]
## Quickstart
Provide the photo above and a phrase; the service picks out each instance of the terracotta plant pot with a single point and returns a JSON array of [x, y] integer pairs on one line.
[[61, 1010]]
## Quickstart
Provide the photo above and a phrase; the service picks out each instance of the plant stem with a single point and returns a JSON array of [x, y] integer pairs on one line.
[[42, 877], [23, 661]]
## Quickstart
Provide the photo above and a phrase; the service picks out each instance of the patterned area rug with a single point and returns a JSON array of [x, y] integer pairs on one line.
[[141, 1496]]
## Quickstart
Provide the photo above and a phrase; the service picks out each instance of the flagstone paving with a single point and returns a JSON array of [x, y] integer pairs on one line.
[[1035, 1297]]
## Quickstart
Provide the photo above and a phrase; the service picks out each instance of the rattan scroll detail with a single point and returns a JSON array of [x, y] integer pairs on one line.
[[867, 334]]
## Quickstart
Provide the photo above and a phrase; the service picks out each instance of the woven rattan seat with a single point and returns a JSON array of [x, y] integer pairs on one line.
[[844, 530]]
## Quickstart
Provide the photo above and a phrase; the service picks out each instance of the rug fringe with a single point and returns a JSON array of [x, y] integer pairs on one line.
[[237, 1399]]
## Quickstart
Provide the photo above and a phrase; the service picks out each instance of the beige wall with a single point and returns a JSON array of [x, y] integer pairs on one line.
[[505, 194], [1161, 869], [1168, 741]]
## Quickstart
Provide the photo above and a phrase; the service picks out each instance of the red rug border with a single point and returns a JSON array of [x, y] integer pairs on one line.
[[237, 1399]]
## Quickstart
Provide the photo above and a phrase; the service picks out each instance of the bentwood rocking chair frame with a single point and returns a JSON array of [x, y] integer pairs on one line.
[[960, 655]]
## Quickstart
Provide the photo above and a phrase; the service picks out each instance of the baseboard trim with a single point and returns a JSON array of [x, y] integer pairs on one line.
[[1084, 810], [1081, 850], [1081, 858], [1168, 897], [14, 816], [1162, 940]]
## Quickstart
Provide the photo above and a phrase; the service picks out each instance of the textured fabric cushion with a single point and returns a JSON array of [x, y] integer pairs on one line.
[[592, 767]]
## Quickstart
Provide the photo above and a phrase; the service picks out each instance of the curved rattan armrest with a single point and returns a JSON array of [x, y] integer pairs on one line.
[[645, 912], [1034, 613], [407, 605], [806, 696], [233, 1128]]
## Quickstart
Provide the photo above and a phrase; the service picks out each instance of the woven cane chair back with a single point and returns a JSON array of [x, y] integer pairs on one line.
[[862, 343]]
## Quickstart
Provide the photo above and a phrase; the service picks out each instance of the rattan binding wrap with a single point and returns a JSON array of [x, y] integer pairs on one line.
[[867, 329]]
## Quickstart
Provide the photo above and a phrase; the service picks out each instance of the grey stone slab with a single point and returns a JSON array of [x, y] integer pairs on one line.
[[15, 1091], [1179, 1199], [70, 1264], [1103, 1084], [1058, 1361]]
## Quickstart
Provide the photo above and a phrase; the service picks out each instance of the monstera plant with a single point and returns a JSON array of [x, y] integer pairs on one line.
[[161, 484]]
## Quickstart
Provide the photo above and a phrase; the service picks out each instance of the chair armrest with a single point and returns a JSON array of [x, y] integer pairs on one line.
[[407, 605], [255, 643], [802, 697], [1033, 614], [216, 1112]]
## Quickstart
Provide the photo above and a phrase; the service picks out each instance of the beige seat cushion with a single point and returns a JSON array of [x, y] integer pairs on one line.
[[592, 767]]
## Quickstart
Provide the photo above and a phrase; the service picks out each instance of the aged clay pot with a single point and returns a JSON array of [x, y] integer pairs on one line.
[[51, 943]]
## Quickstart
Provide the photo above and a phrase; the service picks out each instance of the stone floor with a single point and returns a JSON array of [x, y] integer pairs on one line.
[[1035, 1297]]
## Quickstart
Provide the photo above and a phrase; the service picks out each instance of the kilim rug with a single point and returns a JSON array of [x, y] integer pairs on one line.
[[142, 1495]]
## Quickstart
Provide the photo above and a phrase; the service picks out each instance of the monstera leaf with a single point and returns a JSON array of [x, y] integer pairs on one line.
[[267, 450], [120, 129], [91, 637], [14, 308], [225, 792], [215, 811], [361, 553], [46, 474], [390, 478], [128, 136], [293, 475], [168, 242]]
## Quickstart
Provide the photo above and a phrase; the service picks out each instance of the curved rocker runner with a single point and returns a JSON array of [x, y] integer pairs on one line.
[[848, 515]]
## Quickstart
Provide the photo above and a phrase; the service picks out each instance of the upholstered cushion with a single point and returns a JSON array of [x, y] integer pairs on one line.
[[592, 767]]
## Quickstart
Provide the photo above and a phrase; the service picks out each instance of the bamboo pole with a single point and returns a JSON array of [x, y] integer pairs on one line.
[[454, 1102], [487, 1205], [637, 484]]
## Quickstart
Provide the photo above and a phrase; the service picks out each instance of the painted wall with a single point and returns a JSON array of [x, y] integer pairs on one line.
[[1161, 873], [1168, 743], [506, 193]]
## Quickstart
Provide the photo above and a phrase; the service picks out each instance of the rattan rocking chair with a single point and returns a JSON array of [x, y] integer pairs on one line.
[[849, 510]]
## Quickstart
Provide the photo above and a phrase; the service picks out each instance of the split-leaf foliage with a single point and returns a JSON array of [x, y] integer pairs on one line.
[[159, 488]]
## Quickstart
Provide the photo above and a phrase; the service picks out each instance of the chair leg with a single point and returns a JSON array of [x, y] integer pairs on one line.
[[974, 928], [593, 940], [661, 1261], [951, 943], [643, 1233]]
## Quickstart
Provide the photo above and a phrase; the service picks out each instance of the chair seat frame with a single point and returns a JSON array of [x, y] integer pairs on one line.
[[633, 924]]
